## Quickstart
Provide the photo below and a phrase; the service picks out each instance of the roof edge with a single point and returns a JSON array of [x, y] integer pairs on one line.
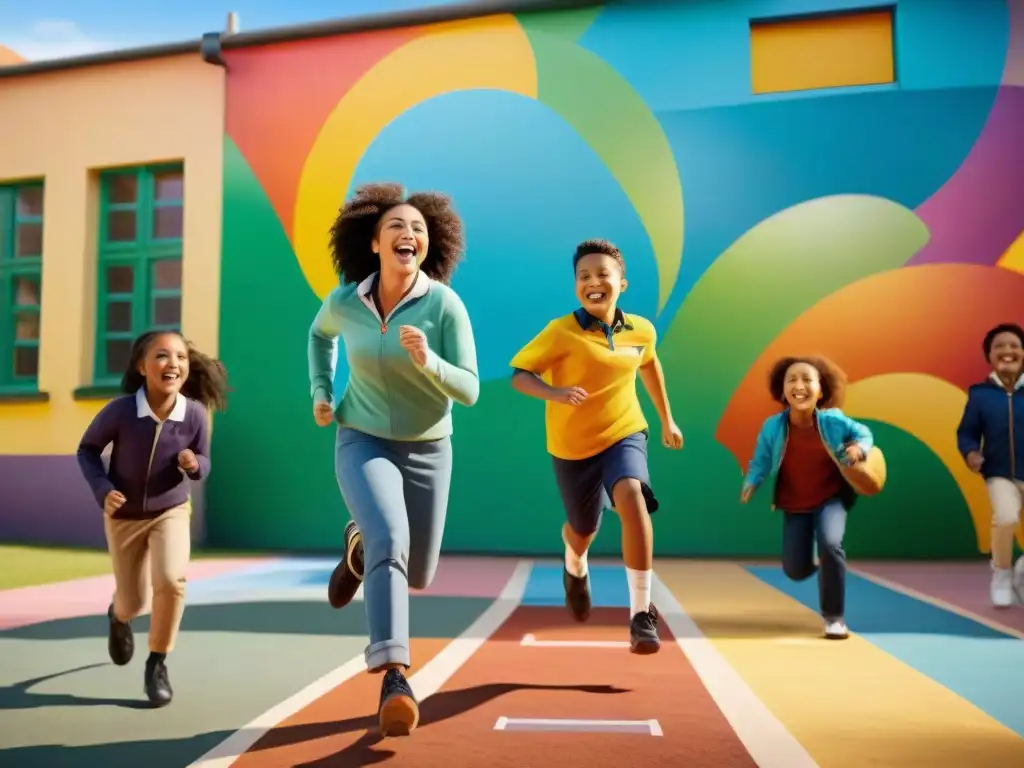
[[410, 18]]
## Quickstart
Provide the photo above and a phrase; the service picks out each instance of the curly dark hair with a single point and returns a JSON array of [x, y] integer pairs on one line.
[[832, 377], [596, 245], [352, 234], [1016, 330], [207, 380]]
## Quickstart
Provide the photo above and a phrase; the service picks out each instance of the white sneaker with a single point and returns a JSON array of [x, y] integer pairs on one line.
[[1002, 588], [836, 630], [1018, 579]]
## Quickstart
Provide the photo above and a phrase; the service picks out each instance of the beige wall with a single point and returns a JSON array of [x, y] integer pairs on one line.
[[65, 127]]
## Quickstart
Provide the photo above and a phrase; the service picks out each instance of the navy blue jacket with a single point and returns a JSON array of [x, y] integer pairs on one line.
[[993, 423]]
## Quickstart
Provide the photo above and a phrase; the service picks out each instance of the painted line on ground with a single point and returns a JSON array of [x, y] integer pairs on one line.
[[766, 739], [938, 602], [439, 669], [531, 641], [646, 727], [424, 683]]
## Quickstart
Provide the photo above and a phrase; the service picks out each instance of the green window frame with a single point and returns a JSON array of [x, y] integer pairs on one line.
[[21, 285], [139, 261]]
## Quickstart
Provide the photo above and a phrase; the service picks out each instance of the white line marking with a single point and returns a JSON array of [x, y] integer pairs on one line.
[[765, 738], [425, 683], [436, 672], [652, 727], [938, 602], [531, 641]]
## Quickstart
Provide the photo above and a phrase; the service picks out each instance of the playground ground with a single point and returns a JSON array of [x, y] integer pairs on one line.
[[267, 674]]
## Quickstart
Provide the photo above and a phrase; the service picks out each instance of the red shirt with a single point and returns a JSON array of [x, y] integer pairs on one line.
[[808, 476]]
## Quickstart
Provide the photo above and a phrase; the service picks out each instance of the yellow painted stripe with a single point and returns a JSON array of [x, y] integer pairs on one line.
[[848, 703]]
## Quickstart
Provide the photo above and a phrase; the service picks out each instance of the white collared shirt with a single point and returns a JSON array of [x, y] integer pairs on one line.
[[143, 409]]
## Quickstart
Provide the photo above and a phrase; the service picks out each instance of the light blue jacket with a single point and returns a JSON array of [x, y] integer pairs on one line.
[[837, 430]]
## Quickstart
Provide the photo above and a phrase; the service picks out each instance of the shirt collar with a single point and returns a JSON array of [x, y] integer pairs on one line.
[[999, 382], [587, 320], [143, 410], [419, 288]]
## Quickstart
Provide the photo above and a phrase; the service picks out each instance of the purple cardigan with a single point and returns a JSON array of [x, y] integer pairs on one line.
[[150, 486]]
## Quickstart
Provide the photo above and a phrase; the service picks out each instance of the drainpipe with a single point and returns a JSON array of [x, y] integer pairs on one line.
[[210, 45]]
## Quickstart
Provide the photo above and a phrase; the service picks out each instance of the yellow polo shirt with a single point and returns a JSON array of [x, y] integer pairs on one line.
[[578, 350]]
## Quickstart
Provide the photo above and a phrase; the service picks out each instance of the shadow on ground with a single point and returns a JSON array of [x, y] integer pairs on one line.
[[174, 753]]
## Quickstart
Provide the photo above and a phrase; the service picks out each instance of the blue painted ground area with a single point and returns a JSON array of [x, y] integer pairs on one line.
[[272, 575], [978, 663], [607, 585]]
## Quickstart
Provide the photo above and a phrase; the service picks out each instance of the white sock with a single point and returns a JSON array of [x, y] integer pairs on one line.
[[639, 591], [575, 564]]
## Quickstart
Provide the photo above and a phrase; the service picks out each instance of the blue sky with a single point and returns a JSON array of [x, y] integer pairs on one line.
[[45, 29]]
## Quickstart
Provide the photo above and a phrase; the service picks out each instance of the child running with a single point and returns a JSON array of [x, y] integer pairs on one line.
[[584, 365], [411, 353], [803, 448], [987, 439], [160, 441]]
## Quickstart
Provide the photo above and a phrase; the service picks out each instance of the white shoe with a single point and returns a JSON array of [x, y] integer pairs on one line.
[[836, 630], [1018, 579], [1001, 590]]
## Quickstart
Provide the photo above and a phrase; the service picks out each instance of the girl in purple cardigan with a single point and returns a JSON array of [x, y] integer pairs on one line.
[[160, 441]]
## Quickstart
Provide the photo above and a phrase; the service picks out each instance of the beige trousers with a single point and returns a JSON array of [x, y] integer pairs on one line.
[[1007, 497], [151, 555]]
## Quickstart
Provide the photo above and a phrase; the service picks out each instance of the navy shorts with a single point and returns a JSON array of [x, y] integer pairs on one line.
[[586, 484]]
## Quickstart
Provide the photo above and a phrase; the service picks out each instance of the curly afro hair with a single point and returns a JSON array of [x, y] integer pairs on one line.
[[352, 234], [596, 245], [986, 344], [833, 380]]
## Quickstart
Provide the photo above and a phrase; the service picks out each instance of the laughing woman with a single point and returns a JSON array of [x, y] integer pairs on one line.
[[411, 353]]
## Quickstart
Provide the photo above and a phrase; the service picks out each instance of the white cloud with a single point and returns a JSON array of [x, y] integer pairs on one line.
[[56, 39]]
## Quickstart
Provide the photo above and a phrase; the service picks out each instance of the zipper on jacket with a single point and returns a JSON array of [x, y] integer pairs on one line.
[[1013, 458], [149, 468]]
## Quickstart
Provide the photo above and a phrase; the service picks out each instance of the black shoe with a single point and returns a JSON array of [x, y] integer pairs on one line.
[[398, 713], [643, 632], [158, 685], [577, 595], [120, 639], [348, 574]]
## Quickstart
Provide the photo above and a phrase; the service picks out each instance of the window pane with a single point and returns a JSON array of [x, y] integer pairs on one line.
[[120, 279], [167, 311], [119, 316], [122, 188], [26, 361], [26, 291], [167, 275], [26, 326], [28, 240], [120, 226], [118, 353], [30, 201], [168, 185], [167, 222]]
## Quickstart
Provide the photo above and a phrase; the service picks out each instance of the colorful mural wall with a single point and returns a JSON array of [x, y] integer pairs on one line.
[[59, 132], [878, 224]]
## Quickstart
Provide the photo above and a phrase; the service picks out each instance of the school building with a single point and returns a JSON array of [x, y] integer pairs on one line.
[[833, 176]]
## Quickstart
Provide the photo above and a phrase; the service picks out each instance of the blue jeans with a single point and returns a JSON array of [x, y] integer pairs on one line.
[[827, 525]]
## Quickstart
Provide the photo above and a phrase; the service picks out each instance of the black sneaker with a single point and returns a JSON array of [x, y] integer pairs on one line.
[[577, 595], [643, 632], [348, 574], [158, 684], [120, 639], [398, 713]]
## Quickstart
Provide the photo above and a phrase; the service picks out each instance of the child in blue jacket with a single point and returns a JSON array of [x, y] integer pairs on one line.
[[987, 437], [802, 448]]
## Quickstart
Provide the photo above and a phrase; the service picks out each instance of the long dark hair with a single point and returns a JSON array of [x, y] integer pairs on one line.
[[207, 380]]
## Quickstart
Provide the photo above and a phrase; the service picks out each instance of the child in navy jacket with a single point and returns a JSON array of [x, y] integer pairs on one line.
[[989, 438]]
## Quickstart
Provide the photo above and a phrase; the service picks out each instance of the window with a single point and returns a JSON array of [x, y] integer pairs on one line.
[[21, 281], [844, 49], [139, 280]]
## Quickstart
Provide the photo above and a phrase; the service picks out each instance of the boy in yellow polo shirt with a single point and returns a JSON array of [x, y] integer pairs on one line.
[[585, 365]]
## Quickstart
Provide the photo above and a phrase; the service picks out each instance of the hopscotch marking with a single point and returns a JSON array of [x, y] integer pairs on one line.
[[766, 739], [554, 725], [425, 683], [531, 641]]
